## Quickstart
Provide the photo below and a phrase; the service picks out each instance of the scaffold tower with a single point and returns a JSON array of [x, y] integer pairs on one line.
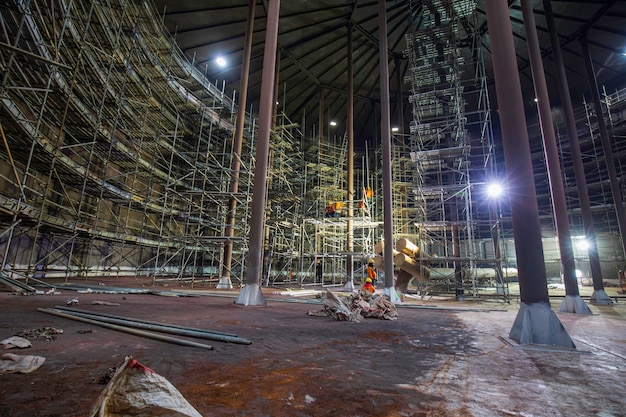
[[450, 135]]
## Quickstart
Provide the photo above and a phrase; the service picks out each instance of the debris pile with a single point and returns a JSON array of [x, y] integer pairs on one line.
[[24, 364], [355, 306], [48, 333]]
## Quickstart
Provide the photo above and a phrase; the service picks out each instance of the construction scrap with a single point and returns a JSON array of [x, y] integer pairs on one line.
[[354, 306], [104, 303], [48, 333]]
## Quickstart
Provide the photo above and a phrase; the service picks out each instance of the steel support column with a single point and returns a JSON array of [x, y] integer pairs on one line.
[[535, 323], [606, 144], [235, 166], [572, 303], [577, 160], [350, 128], [385, 128], [251, 294]]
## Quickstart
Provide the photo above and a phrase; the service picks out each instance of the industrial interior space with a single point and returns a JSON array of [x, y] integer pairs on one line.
[[170, 167]]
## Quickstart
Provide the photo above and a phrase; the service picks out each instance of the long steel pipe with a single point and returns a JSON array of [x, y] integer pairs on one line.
[[158, 327], [174, 326], [135, 332], [162, 329]]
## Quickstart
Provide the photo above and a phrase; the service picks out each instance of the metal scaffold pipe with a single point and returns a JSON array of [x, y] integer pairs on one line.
[[162, 329], [159, 327], [135, 332]]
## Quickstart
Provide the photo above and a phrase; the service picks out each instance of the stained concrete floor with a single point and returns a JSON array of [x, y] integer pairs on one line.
[[439, 358]]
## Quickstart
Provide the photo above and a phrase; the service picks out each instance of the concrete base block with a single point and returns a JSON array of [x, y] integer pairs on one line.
[[392, 294], [600, 297], [224, 283], [251, 295], [349, 285], [574, 304], [537, 324]]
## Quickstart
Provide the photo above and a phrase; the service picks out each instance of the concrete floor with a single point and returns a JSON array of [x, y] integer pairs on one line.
[[440, 358]]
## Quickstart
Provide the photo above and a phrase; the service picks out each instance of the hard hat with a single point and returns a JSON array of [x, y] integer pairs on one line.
[[368, 280]]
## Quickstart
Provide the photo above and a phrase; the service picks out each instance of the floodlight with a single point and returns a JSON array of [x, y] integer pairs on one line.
[[494, 190], [333, 123], [582, 244], [220, 61]]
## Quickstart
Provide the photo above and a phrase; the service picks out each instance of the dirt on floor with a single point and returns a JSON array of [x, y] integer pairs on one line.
[[436, 359]]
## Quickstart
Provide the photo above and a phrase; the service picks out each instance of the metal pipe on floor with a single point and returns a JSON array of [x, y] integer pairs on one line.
[[123, 329], [162, 329], [173, 326]]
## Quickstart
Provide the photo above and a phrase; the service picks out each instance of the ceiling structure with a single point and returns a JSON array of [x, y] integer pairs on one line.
[[313, 52]]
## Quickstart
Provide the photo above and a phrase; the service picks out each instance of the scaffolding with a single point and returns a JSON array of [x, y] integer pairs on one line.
[[450, 141], [324, 230], [284, 210], [594, 162], [118, 148]]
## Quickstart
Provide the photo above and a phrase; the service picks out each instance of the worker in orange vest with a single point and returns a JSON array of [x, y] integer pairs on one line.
[[371, 271], [368, 286]]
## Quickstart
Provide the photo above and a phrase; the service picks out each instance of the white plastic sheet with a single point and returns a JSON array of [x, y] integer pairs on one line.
[[136, 390], [23, 364]]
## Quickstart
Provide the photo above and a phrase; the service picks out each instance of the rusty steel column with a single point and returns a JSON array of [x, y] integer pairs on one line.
[[385, 128], [577, 160], [522, 194], [235, 166], [350, 128], [535, 322], [606, 144], [572, 303], [251, 294]]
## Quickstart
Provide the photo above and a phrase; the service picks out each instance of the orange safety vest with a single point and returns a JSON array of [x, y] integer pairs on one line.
[[371, 273], [369, 287]]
